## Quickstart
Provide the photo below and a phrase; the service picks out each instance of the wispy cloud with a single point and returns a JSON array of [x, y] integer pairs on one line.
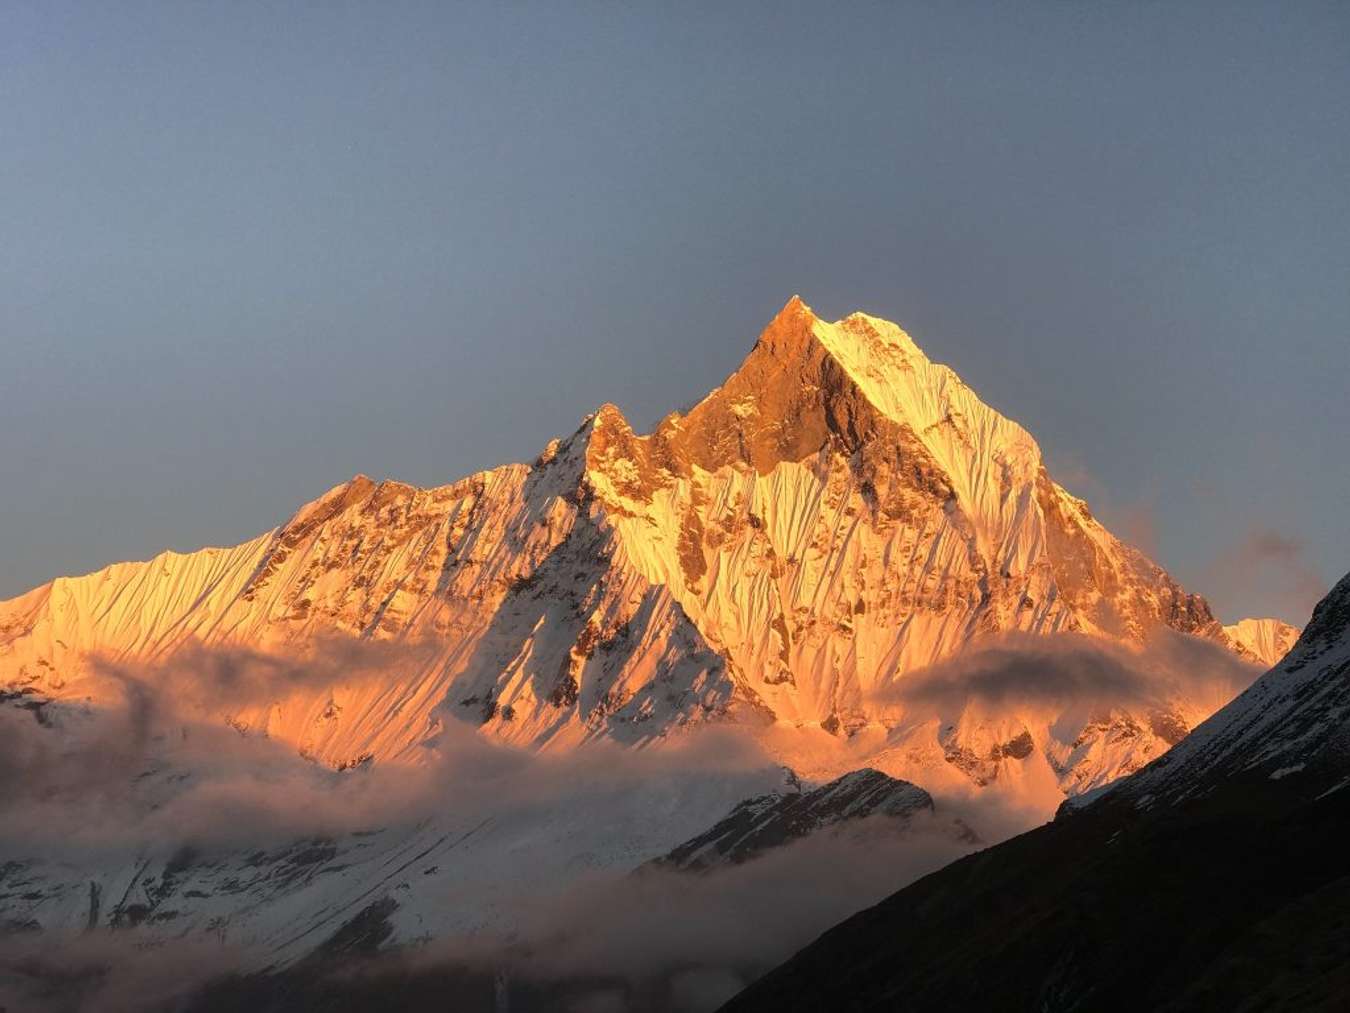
[[1270, 565], [1072, 669]]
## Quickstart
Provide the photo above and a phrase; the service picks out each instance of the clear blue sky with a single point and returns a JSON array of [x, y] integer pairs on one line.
[[247, 250]]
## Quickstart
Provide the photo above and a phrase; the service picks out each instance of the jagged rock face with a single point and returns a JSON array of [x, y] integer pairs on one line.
[[505, 581], [770, 821], [840, 512]]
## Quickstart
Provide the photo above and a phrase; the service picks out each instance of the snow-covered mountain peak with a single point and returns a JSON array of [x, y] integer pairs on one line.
[[790, 328], [839, 513], [808, 382], [1268, 640], [872, 337]]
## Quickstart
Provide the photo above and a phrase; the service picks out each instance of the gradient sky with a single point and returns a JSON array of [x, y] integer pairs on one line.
[[249, 250]]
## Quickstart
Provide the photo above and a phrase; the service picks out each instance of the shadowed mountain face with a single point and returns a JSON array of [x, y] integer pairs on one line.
[[840, 513], [1214, 878], [770, 821]]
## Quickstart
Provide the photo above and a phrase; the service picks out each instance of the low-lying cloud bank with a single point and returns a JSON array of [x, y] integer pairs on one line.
[[655, 939], [161, 774], [197, 679], [152, 777]]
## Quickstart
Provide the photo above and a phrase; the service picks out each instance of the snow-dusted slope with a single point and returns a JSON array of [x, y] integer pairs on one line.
[[1293, 722], [840, 512], [1268, 640]]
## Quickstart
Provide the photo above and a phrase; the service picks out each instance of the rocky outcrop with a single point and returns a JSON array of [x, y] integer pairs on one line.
[[761, 824]]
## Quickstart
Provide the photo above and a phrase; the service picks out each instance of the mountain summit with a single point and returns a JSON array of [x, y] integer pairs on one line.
[[841, 512]]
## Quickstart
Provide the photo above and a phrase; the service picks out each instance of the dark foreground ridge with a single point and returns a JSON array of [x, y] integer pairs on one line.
[[1214, 879], [1240, 901]]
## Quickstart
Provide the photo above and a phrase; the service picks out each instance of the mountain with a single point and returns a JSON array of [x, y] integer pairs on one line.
[[404, 718], [1212, 879], [1268, 640], [840, 513]]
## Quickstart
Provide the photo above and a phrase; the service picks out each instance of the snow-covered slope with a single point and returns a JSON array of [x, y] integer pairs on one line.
[[1268, 640], [840, 512]]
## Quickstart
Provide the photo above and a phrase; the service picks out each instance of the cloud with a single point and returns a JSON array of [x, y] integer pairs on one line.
[[100, 788], [654, 940], [160, 772], [154, 774], [105, 973], [106, 789], [144, 776], [156, 761], [666, 940], [737, 920], [230, 792], [156, 768], [1070, 669], [199, 680]]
